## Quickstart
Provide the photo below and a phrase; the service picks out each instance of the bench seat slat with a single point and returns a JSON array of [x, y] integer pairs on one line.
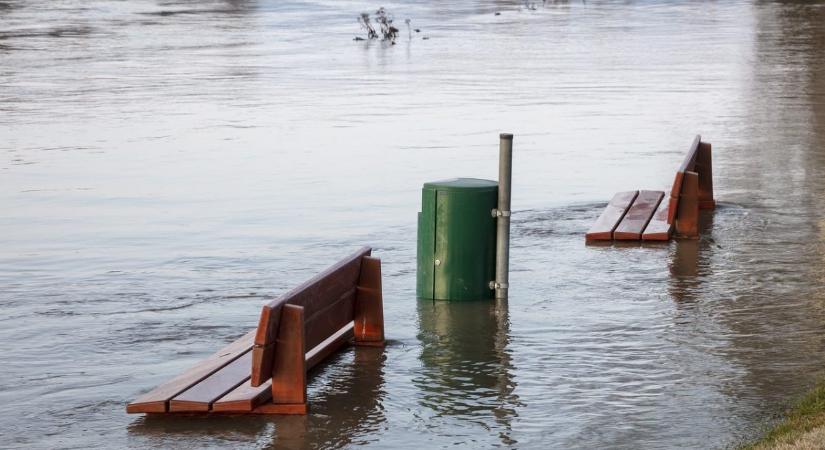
[[201, 396], [637, 217], [658, 229], [244, 398], [157, 400], [611, 216]]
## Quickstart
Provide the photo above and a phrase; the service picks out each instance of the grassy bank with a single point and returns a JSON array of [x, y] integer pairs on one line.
[[802, 429]]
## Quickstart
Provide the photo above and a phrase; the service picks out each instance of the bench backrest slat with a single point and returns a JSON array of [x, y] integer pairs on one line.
[[331, 319], [328, 301], [688, 165], [690, 159], [328, 287]]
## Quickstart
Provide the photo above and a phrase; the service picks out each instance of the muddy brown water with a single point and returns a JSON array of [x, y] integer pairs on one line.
[[168, 166]]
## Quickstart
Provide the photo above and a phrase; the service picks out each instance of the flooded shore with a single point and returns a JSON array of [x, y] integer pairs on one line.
[[167, 167]]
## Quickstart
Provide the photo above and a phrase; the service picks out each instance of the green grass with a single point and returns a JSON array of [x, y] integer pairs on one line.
[[808, 414]]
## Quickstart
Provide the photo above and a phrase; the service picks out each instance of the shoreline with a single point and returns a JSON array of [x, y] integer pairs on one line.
[[802, 428]]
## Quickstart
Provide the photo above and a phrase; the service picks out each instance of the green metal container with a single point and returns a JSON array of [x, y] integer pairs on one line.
[[457, 240]]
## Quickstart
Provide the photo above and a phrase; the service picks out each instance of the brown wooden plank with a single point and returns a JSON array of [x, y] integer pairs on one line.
[[282, 409], [201, 396], [690, 158], [369, 304], [330, 319], [675, 192], [318, 328], [266, 407], [687, 217], [244, 398], [688, 164], [156, 400], [262, 359], [263, 354], [289, 383], [704, 167], [658, 229], [267, 330], [327, 286], [329, 345], [611, 216], [637, 217]]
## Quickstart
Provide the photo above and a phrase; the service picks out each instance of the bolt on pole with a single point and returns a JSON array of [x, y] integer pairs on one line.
[[505, 172]]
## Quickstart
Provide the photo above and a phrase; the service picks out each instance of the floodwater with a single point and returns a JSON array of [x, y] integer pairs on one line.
[[168, 166]]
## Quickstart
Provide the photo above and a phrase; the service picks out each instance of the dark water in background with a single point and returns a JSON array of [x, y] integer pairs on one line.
[[167, 166]]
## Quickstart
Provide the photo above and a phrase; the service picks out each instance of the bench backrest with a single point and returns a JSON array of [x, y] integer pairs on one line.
[[688, 165], [328, 302]]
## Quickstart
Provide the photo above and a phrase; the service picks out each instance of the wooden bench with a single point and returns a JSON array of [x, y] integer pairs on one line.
[[655, 216], [264, 371]]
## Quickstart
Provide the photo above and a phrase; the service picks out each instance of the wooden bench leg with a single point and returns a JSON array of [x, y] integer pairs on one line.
[[687, 215], [704, 168], [369, 304], [289, 374]]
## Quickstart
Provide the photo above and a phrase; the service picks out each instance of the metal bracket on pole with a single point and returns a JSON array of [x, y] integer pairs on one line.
[[494, 285], [496, 213]]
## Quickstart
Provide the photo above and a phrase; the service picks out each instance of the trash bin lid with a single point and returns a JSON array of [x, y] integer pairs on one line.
[[462, 184]]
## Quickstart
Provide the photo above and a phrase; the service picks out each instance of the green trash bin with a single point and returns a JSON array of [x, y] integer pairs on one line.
[[457, 240]]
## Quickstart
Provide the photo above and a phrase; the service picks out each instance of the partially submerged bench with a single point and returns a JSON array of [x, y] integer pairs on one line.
[[264, 371], [655, 216]]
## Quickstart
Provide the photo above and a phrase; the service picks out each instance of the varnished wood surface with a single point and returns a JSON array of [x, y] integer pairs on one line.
[[675, 192], [244, 398], [611, 216], [329, 346], [638, 216], [687, 164], [200, 396], [334, 284], [266, 408], [277, 350], [369, 304], [264, 351], [687, 218], [289, 370], [282, 409], [157, 399], [690, 158], [325, 322], [262, 360], [658, 229], [704, 167], [316, 293]]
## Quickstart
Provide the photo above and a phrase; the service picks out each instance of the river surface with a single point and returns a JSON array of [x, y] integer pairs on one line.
[[166, 167]]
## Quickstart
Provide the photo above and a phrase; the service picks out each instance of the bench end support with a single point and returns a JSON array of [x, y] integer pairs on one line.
[[369, 304], [289, 374], [704, 167], [687, 214]]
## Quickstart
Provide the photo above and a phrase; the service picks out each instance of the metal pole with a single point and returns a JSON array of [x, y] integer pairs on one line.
[[505, 172]]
